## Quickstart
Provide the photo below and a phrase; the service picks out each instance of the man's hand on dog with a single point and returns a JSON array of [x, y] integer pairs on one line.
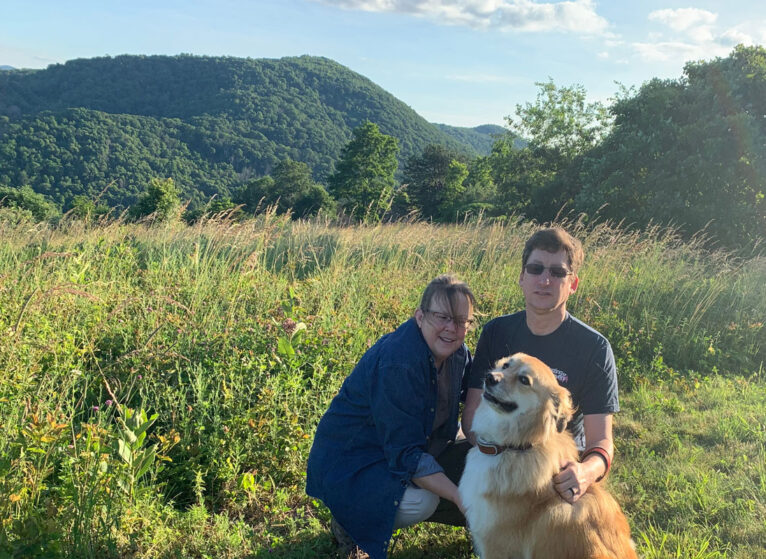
[[573, 480]]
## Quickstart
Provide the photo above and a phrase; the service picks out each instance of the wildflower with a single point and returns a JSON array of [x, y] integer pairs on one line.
[[108, 403], [288, 325], [95, 408], [140, 377]]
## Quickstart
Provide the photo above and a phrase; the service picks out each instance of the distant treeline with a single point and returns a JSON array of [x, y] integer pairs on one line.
[[308, 135]]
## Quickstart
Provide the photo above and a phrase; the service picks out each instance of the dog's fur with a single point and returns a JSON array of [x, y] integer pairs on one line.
[[513, 511]]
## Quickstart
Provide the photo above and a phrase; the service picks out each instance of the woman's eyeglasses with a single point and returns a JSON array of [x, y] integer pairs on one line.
[[556, 271], [442, 320]]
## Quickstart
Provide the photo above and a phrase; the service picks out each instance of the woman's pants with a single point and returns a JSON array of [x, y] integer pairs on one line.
[[418, 505]]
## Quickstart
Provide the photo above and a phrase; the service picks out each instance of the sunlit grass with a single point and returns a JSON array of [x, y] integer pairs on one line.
[[204, 326]]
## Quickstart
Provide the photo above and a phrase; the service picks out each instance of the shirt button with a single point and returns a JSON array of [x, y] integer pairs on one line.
[[396, 503], [432, 409]]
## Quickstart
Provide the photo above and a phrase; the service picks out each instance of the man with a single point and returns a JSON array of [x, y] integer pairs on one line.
[[581, 358]]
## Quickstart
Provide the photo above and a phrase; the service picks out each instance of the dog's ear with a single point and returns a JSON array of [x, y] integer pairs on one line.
[[562, 408]]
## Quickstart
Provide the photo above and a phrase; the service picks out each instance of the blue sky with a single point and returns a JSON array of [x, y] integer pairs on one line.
[[460, 62]]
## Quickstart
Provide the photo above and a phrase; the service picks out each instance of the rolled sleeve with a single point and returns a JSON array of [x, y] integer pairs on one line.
[[427, 465]]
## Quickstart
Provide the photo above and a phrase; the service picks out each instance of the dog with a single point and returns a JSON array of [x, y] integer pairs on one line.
[[512, 508]]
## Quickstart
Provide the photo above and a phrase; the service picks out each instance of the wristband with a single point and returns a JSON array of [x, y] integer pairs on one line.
[[603, 454]]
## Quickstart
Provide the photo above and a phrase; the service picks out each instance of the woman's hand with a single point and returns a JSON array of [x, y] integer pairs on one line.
[[459, 503]]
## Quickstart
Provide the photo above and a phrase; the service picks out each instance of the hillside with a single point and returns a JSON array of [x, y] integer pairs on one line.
[[209, 122], [480, 138]]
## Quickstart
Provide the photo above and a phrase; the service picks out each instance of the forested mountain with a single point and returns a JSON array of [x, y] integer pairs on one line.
[[480, 138], [307, 135], [211, 123]]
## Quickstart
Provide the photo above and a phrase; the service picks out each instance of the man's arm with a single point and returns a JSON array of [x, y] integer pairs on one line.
[[578, 476]]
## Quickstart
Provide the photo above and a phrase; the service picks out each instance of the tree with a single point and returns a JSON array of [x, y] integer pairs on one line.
[[161, 199], [434, 181], [480, 194], [86, 209], [559, 127], [290, 188], [561, 120], [363, 182], [688, 152], [27, 200]]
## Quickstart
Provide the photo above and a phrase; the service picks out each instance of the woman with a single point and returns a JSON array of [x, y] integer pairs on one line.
[[374, 458]]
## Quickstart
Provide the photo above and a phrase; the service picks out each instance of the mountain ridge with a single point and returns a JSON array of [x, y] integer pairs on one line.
[[227, 119]]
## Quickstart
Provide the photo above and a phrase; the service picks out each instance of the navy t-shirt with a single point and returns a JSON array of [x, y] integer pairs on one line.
[[580, 357]]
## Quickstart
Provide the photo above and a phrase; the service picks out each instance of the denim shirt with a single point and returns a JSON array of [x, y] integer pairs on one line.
[[371, 441]]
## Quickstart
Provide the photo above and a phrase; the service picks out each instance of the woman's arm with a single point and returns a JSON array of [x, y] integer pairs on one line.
[[440, 485]]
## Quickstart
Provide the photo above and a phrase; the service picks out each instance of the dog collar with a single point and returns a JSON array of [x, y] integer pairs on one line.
[[494, 449]]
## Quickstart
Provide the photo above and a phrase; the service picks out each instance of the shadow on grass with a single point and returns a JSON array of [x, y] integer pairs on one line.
[[309, 547], [451, 550], [323, 546]]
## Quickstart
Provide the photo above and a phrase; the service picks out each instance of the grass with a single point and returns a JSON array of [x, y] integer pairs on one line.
[[159, 386]]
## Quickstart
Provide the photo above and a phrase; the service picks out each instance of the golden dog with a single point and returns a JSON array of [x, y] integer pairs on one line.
[[513, 511]]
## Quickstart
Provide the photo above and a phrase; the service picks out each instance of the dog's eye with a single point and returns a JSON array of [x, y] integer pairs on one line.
[[524, 380], [506, 365]]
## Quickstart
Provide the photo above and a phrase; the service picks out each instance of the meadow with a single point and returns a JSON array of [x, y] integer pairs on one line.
[[160, 384]]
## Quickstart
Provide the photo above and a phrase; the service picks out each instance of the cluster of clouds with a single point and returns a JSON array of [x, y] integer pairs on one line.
[[691, 33], [507, 15], [674, 34]]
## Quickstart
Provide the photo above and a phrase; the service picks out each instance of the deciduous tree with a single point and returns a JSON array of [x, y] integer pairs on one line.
[[434, 181], [688, 152], [290, 188], [161, 198], [363, 182]]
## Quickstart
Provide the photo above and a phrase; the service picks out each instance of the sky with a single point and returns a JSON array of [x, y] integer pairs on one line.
[[458, 62]]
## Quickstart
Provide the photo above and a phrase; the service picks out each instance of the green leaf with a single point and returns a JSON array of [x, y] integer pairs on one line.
[[285, 347], [125, 452], [145, 462]]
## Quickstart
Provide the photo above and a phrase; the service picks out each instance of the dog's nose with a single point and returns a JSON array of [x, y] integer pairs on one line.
[[490, 380]]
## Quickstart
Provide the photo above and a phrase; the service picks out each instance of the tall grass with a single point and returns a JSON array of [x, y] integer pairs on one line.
[[237, 335]]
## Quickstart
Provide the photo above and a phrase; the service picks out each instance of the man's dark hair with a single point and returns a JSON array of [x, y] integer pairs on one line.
[[555, 239]]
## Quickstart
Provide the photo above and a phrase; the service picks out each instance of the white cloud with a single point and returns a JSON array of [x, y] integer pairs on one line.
[[677, 51], [684, 18], [577, 16], [735, 36], [692, 34], [696, 24]]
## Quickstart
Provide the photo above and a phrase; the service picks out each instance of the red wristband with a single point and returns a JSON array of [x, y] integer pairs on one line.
[[602, 452]]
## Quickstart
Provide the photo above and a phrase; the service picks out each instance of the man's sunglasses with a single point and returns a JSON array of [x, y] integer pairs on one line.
[[556, 271]]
